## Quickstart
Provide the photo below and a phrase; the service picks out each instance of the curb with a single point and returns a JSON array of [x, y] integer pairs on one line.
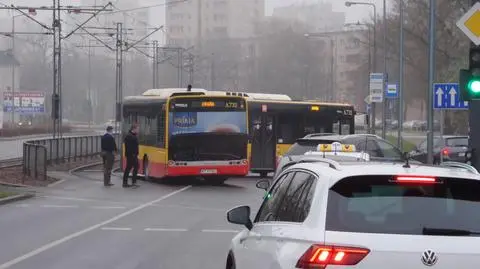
[[71, 171], [16, 198], [13, 185]]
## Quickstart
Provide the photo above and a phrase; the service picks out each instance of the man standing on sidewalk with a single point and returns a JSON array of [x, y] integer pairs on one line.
[[109, 148], [131, 155]]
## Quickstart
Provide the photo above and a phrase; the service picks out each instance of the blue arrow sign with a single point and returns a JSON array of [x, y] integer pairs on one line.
[[447, 96]]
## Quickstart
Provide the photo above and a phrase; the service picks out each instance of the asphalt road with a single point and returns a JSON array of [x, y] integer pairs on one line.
[[80, 224]]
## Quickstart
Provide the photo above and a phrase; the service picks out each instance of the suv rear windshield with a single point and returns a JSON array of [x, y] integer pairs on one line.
[[457, 142], [305, 145], [377, 204]]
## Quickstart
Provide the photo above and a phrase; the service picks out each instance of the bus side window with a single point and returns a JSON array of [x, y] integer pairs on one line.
[[161, 129]]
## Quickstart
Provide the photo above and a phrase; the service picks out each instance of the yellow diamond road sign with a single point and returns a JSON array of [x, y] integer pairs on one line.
[[470, 24]]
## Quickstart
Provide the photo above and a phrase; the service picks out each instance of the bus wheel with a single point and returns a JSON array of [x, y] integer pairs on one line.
[[216, 180], [146, 169]]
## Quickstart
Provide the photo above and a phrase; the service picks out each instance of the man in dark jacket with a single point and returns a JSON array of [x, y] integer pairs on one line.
[[109, 148], [131, 156]]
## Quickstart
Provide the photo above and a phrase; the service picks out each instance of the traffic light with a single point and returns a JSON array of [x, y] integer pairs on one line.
[[470, 79]]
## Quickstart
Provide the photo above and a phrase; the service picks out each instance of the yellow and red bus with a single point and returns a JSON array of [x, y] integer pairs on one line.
[[189, 133], [276, 121]]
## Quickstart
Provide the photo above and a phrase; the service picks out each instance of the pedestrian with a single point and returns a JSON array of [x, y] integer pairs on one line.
[[131, 155], [189, 88], [109, 149]]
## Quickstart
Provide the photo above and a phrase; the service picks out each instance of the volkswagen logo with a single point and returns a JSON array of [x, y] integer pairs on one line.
[[429, 258]]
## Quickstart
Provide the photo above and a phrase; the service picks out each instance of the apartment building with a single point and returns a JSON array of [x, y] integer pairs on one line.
[[346, 55], [318, 17], [190, 22]]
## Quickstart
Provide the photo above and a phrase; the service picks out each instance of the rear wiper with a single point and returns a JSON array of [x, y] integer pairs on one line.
[[453, 232]]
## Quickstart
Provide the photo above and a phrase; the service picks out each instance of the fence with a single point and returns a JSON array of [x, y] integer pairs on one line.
[[39, 154]]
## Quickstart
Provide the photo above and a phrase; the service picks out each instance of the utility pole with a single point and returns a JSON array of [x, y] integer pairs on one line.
[[401, 95], [155, 64], [180, 67], [118, 74], [212, 73], [90, 81], [57, 64], [55, 30], [385, 74], [190, 68], [431, 78]]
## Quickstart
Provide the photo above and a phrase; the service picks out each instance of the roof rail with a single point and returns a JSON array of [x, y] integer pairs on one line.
[[464, 166], [318, 134], [331, 163]]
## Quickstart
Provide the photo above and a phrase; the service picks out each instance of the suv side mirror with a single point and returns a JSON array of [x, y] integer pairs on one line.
[[263, 184], [240, 215]]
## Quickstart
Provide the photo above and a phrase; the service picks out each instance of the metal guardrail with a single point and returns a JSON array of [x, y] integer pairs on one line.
[[39, 154]]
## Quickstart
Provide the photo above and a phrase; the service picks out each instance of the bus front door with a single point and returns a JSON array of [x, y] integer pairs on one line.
[[263, 153]]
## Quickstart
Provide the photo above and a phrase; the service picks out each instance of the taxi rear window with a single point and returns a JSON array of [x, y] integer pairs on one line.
[[379, 204]]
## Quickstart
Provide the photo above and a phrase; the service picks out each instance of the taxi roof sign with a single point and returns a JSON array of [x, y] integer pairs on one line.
[[469, 23], [336, 147]]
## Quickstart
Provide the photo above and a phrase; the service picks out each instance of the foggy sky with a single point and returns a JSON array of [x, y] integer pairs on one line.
[[157, 14]]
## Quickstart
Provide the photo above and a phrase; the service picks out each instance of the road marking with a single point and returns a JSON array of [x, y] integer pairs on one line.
[[22, 205], [191, 207], [164, 230], [220, 231], [60, 206], [57, 183], [115, 229], [89, 229], [108, 207]]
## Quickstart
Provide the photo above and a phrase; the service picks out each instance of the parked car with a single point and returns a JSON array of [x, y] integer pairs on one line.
[[451, 147], [378, 148]]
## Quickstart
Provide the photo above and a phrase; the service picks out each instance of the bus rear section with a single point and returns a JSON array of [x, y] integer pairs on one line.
[[208, 137]]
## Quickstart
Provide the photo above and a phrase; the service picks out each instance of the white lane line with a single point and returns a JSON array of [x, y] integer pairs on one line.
[[108, 207], [22, 205], [60, 206], [220, 231], [115, 229], [57, 183], [89, 229], [85, 199], [164, 230], [192, 208]]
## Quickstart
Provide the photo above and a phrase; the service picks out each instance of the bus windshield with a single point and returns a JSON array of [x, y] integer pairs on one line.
[[207, 128]]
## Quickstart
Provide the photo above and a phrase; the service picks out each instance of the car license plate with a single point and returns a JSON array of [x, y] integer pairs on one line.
[[461, 154], [208, 171]]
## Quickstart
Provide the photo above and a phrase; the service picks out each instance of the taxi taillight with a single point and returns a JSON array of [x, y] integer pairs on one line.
[[319, 256]]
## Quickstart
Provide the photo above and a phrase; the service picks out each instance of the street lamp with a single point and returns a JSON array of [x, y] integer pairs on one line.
[[349, 4]]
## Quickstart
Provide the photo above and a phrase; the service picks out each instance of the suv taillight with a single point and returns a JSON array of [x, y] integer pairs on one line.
[[319, 256]]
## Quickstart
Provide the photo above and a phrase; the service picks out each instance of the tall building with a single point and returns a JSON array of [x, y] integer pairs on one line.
[[318, 17], [190, 22]]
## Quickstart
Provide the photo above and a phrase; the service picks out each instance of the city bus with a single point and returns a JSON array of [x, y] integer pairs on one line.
[[189, 134], [276, 121]]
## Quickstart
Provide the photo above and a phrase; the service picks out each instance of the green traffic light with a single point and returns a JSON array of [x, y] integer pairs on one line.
[[474, 85]]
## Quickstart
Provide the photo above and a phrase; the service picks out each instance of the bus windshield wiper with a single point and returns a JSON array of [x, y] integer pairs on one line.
[[452, 232]]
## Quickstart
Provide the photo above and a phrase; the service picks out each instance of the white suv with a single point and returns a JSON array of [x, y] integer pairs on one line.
[[362, 215]]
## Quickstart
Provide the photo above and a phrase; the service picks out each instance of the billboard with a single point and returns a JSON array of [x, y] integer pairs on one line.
[[25, 102], [206, 122]]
